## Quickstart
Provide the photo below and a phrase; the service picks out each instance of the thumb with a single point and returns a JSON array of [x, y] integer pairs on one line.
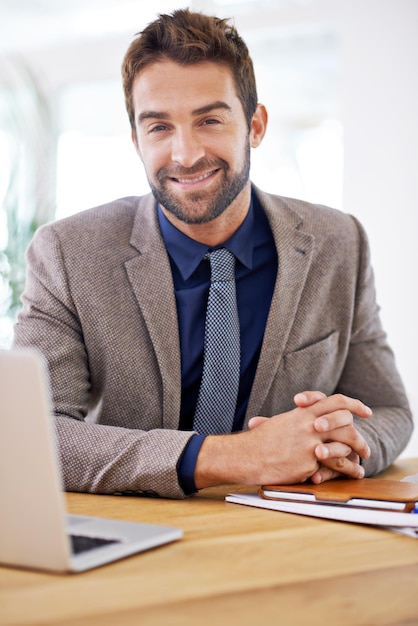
[[307, 398], [256, 421]]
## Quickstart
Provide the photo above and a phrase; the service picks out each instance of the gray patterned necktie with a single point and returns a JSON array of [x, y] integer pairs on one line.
[[215, 409]]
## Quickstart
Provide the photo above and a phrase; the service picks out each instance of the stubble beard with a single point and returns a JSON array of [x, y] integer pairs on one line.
[[201, 207]]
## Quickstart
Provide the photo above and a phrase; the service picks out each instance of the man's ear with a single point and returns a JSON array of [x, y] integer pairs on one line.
[[135, 142], [258, 125]]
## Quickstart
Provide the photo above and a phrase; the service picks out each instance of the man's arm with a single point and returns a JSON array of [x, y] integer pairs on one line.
[[135, 453], [282, 449], [370, 373]]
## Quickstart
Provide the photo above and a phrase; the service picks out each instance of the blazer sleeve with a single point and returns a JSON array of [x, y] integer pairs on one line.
[[94, 457], [370, 374]]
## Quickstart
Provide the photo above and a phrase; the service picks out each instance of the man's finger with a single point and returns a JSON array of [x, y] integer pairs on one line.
[[339, 402], [342, 466], [307, 398], [256, 421], [332, 450]]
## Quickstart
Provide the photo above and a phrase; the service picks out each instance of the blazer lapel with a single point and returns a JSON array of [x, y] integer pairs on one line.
[[156, 299], [295, 251], [150, 276]]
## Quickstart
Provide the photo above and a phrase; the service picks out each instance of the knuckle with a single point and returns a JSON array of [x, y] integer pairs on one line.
[[341, 399], [349, 417], [306, 475], [340, 462], [352, 431]]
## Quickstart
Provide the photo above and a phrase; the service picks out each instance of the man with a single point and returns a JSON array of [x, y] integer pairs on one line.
[[116, 300]]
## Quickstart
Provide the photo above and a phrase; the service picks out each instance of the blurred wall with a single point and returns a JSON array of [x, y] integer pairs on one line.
[[379, 93]]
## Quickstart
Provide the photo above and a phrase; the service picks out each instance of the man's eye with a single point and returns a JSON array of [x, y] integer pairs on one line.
[[211, 121], [157, 128]]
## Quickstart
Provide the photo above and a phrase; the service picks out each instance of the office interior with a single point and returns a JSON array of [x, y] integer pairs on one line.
[[338, 78]]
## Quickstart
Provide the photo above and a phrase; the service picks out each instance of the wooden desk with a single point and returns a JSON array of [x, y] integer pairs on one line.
[[235, 565]]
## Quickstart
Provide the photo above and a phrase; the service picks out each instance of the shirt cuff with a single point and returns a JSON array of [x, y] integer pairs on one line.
[[187, 464]]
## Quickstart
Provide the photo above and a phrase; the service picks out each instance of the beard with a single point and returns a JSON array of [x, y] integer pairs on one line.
[[200, 207]]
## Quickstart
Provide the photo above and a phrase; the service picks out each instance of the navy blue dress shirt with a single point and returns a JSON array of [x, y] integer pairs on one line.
[[256, 270]]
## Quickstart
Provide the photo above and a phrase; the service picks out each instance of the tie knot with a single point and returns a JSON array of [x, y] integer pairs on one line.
[[222, 265]]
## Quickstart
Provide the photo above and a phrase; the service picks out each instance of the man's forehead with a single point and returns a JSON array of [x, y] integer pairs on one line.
[[168, 84], [204, 66]]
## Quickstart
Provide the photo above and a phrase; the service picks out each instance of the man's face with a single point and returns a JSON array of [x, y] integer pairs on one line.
[[192, 137]]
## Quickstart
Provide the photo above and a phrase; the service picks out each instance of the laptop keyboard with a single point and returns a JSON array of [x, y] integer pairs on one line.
[[81, 543]]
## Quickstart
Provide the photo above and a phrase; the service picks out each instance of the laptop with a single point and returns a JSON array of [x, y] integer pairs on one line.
[[35, 531]]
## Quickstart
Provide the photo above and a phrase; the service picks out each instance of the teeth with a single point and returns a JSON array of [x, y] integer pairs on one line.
[[194, 180]]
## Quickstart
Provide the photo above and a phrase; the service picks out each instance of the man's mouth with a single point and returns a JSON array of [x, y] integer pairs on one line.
[[196, 179]]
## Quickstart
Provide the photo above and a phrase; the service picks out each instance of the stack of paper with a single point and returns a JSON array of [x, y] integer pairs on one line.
[[391, 504]]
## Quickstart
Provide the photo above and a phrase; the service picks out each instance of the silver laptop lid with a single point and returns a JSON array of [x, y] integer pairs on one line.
[[34, 529], [32, 509]]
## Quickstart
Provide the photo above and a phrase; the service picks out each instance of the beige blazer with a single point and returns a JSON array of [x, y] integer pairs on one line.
[[99, 303]]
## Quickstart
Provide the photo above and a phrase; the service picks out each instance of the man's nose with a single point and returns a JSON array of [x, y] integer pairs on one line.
[[186, 149]]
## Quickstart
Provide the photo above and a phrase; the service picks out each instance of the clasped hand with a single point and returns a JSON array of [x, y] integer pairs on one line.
[[320, 435], [317, 440]]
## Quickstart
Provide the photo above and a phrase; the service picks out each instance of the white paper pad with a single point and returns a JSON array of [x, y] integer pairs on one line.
[[402, 522]]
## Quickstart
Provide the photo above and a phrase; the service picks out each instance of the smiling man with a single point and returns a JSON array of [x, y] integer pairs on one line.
[[196, 149], [208, 332]]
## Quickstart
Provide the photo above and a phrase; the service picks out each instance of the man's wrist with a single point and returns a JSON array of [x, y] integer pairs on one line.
[[223, 459], [187, 464]]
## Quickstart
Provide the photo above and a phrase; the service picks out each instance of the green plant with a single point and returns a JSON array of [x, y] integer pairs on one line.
[[27, 124]]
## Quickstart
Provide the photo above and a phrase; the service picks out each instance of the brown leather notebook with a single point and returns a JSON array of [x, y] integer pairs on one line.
[[372, 493]]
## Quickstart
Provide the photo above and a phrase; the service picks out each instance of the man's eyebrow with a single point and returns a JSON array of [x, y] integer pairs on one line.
[[207, 108], [155, 115]]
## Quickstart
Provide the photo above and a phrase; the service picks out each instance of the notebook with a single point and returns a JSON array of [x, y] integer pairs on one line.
[[35, 530], [368, 493]]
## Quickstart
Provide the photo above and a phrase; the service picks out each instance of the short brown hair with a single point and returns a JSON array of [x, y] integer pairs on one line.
[[187, 37]]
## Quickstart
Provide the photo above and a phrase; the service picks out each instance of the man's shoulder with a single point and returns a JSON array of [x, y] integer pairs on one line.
[[304, 215], [106, 220], [114, 211], [296, 208]]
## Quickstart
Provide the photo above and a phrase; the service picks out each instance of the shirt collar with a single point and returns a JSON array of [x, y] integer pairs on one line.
[[187, 253]]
